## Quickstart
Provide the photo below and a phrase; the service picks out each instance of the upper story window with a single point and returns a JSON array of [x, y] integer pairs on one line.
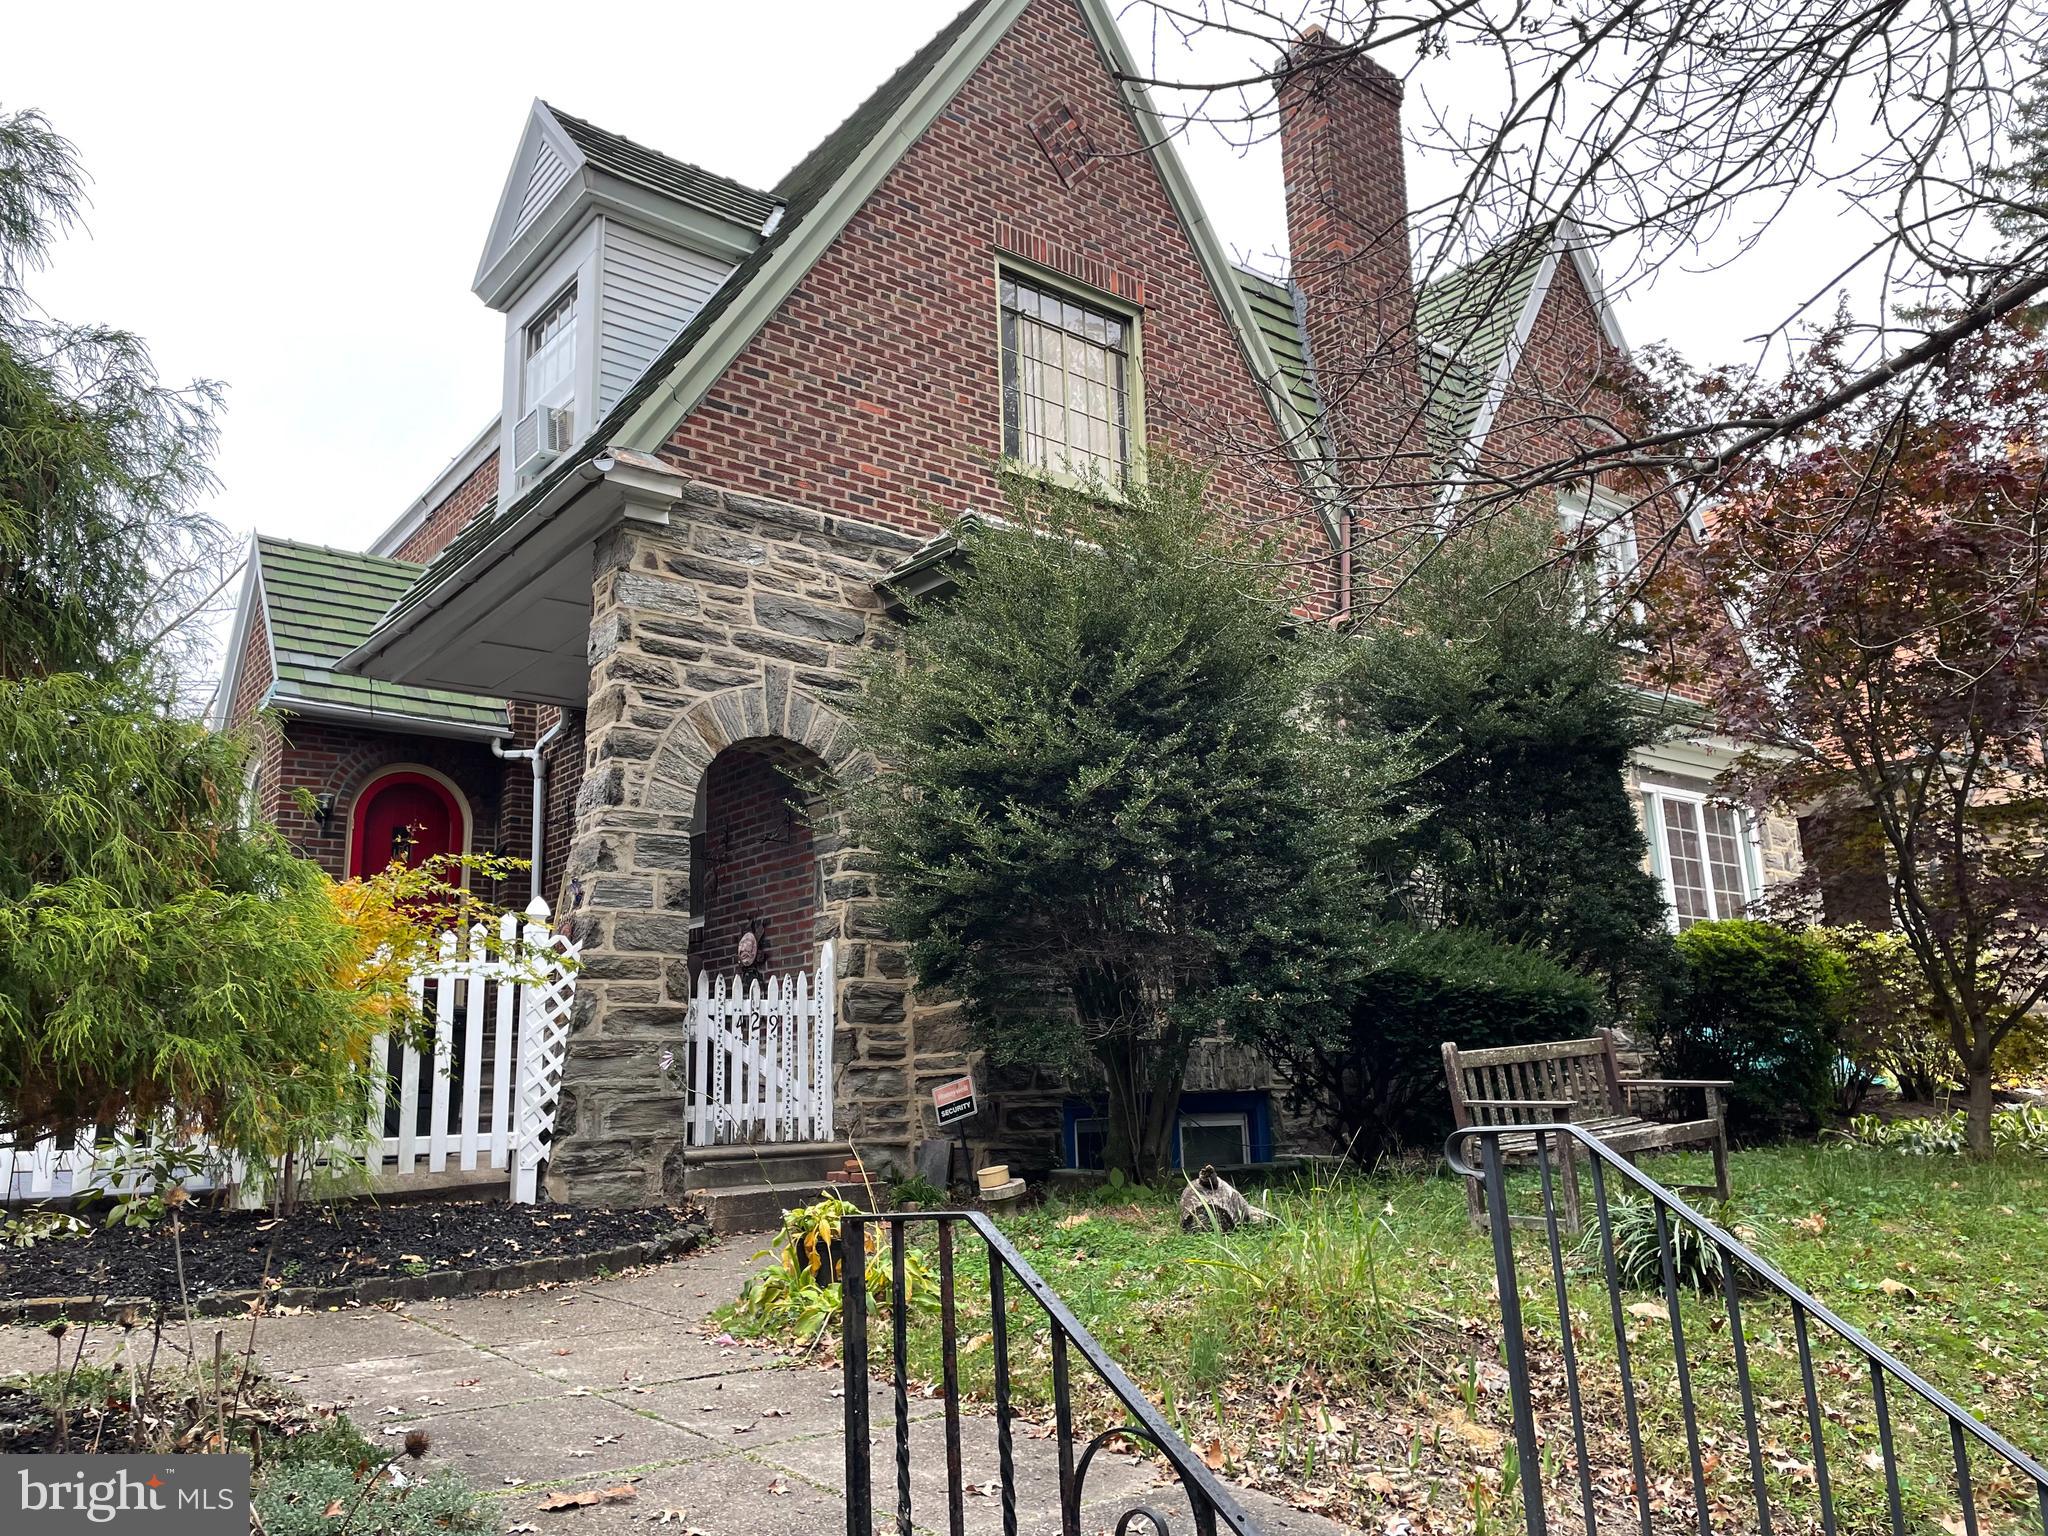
[[1702, 851], [550, 354], [1067, 384], [1604, 532]]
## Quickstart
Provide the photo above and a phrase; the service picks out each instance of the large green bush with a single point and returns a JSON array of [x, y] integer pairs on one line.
[[1375, 1079], [1760, 1005]]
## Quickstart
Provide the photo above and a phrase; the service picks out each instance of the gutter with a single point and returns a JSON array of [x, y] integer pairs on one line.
[[532, 756]]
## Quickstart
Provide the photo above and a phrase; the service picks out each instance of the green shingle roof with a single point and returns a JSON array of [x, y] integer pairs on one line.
[[650, 168], [1466, 319], [1469, 314], [1273, 307], [318, 605]]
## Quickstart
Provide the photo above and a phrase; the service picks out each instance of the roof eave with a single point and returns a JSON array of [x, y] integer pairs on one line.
[[393, 631], [250, 602], [386, 719]]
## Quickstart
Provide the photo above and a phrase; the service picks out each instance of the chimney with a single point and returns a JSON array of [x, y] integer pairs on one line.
[[1347, 233]]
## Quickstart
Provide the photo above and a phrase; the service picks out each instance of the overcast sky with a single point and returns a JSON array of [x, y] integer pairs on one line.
[[292, 200]]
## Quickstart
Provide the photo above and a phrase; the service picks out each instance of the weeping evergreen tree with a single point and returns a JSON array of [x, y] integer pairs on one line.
[[161, 961], [1106, 822], [1517, 706]]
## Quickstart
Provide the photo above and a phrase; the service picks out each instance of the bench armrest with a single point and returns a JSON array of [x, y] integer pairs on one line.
[[1628, 1083]]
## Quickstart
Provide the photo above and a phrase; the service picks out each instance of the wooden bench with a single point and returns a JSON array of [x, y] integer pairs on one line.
[[1578, 1081]]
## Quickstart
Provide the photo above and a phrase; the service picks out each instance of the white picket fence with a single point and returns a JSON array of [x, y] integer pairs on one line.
[[760, 1058], [483, 1094]]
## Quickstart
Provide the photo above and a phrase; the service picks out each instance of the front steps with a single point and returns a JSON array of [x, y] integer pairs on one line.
[[747, 1188]]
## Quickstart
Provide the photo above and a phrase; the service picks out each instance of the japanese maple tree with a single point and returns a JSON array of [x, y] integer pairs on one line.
[[1892, 665]]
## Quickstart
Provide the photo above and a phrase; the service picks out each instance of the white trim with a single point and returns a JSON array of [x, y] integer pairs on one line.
[[250, 602], [1588, 268], [1568, 239], [362, 793], [482, 448], [1211, 1118], [1588, 508], [1750, 864]]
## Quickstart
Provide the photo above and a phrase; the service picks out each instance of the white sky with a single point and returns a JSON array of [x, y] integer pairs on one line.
[[292, 200]]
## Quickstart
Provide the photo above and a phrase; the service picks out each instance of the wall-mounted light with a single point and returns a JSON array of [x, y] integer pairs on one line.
[[323, 809]]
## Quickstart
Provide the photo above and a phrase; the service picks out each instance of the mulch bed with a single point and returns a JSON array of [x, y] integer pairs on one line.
[[320, 1246]]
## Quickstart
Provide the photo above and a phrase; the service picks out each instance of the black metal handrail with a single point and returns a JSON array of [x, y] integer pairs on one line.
[[1209, 1502], [1882, 1363]]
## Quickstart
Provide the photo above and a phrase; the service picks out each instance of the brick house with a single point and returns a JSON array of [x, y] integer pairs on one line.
[[737, 423]]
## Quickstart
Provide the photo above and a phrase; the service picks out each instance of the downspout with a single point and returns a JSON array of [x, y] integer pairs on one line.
[[532, 756]]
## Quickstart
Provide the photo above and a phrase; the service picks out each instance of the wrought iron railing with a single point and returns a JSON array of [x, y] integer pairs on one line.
[[1555, 1151], [1210, 1504]]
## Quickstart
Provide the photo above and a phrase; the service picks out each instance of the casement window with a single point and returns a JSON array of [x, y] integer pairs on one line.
[[1069, 382], [1703, 852], [1604, 531], [550, 358]]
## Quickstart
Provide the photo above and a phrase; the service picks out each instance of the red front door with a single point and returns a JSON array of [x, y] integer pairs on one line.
[[404, 816]]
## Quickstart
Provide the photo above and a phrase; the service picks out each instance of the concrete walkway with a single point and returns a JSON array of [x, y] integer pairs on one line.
[[587, 1386]]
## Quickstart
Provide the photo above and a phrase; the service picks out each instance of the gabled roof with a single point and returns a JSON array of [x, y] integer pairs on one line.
[[317, 604], [650, 168], [1467, 319], [818, 196], [1272, 305]]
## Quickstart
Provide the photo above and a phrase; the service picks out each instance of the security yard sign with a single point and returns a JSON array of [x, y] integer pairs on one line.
[[954, 1101]]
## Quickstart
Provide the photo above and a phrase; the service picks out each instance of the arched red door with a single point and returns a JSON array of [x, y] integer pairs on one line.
[[406, 816]]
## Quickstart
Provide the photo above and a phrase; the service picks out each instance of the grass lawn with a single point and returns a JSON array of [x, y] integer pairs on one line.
[[1347, 1354]]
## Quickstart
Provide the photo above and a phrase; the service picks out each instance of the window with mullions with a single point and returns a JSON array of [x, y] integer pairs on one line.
[[1603, 532], [550, 352], [1701, 851], [1066, 384]]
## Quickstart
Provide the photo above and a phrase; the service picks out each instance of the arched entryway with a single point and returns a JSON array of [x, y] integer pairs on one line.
[[409, 813], [755, 879]]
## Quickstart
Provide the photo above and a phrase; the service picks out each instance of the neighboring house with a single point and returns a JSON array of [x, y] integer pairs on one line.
[[737, 424]]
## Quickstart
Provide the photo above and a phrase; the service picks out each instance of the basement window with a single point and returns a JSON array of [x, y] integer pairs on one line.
[[1068, 385]]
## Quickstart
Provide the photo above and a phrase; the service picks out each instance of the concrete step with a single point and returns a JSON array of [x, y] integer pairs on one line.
[[799, 1163], [759, 1207]]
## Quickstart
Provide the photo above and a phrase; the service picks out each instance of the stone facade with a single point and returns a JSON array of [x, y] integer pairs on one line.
[[740, 623]]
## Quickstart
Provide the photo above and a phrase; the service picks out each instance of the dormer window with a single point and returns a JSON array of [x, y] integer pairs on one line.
[[547, 386]]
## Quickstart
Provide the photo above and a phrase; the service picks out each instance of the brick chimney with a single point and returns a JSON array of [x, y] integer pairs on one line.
[[1347, 232]]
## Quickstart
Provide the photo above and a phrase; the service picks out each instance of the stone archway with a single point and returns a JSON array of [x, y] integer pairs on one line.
[[629, 902]]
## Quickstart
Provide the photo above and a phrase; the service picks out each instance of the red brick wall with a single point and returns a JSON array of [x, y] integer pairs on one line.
[[1347, 237], [252, 681], [760, 865], [452, 515], [325, 759], [875, 390], [565, 778], [1563, 389]]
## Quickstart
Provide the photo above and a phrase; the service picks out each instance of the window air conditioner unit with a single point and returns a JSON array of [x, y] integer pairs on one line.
[[543, 435]]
